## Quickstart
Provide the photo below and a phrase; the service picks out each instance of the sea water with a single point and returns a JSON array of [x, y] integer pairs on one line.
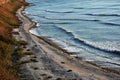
[[88, 28]]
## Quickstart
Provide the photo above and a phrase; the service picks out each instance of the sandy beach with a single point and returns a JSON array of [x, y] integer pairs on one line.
[[50, 62]]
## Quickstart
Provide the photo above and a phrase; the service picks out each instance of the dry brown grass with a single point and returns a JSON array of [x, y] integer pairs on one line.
[[7, 21], [6, 75]]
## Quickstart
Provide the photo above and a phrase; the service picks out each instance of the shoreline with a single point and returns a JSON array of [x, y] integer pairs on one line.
[[94, 63], [48, 44]]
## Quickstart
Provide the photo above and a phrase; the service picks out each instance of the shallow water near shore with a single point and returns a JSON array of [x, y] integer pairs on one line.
[[89, 29]]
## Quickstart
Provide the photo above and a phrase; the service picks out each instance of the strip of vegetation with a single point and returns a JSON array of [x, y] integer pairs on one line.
[[8, 21]]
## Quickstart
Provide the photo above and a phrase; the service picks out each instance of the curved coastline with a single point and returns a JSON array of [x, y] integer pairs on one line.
[[28, 24]]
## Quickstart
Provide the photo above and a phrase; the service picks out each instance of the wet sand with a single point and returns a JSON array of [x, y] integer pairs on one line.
[[50, 62]]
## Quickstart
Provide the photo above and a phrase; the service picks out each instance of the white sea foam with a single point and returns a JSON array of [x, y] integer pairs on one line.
[[26, 12], [34, 32], [67, 46], [38, 24], [107, 45]]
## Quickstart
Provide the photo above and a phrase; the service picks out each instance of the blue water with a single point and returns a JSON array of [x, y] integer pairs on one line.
[[88, 28]]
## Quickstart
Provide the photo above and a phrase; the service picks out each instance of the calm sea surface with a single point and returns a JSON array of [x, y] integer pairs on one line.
[[88, 28]]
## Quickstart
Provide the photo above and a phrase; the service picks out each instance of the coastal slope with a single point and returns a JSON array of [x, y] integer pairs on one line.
[[8, 21]]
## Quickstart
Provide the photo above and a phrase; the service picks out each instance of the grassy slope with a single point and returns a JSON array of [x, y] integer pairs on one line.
[[8, 20]]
